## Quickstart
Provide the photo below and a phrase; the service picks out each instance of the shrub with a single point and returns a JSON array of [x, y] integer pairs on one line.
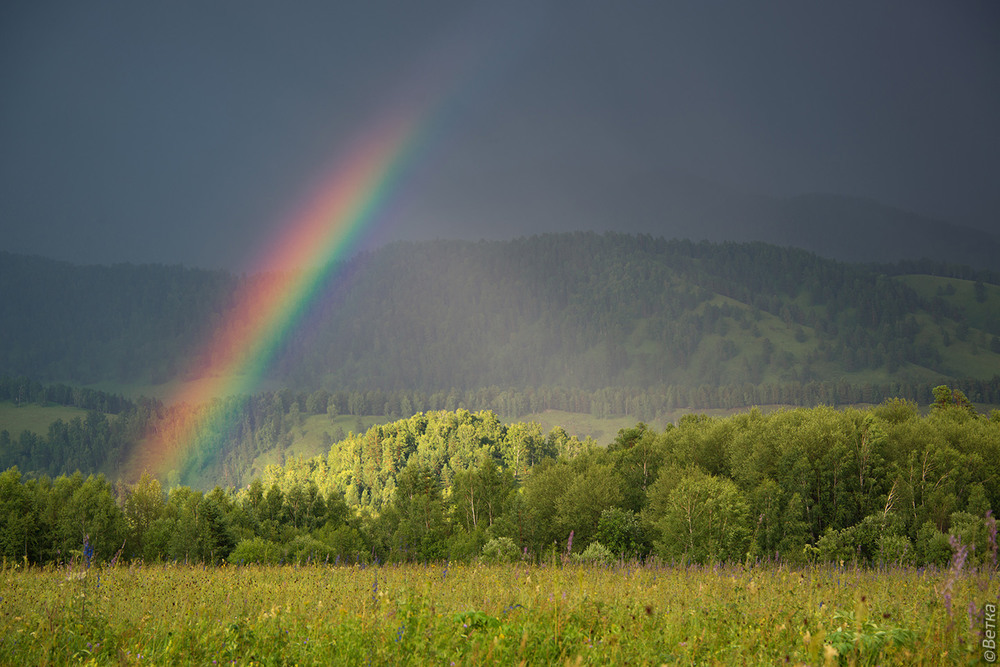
[[932, 545], [346, 544], [895, 549], [500, 550], [972, 531], [621, 531], [596, 553], [306, 549], [837, 545], [256, 550]]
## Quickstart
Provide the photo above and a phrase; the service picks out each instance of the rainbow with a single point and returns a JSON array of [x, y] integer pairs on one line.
[[328, 229]]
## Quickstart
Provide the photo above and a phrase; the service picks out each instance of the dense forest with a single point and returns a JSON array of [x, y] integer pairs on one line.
[[880, 485], [581, 311]]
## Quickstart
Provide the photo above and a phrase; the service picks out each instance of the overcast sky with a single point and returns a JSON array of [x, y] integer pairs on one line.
[[187, 132]]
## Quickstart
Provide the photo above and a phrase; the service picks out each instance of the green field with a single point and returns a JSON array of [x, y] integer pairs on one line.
[[448, 614], [33, 417]]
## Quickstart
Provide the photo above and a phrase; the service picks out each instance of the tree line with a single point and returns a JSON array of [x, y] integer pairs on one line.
[[23, 390], [879, 485], [248, 426]]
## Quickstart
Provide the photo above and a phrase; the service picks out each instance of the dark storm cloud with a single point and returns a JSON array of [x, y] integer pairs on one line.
[[185, 132]]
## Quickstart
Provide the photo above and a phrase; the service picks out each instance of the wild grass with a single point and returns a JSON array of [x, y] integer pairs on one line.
[[474, 614]]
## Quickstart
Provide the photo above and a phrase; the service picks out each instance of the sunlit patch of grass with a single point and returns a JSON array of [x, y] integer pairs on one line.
[[35, 418], [472, 614], [580, 424]]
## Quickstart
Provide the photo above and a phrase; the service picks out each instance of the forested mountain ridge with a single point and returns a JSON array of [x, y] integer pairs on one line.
[[587, 310], [84, 324], [582, 311]]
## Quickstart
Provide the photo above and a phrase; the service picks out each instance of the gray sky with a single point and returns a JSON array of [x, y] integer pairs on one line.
[[187, 132]]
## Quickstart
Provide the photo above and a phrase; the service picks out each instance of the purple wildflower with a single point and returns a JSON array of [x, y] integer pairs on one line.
[[961, 553], [957, 563], [991, 526], [88, 550]]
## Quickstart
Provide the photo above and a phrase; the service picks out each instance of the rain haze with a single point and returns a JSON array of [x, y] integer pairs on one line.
[[190, 133]]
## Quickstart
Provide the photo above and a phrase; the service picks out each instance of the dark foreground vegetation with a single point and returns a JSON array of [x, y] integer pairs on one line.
[[878, 486]]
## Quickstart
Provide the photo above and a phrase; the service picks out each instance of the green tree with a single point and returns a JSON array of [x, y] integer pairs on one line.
[[980, 291], [704, 520], [19, 529], [795, 531], [144, 504], [638, 457], [481, 495], [536, 511], [185, 539], [86, 509], [593, 488], [524, 447], [946, 399], [215, 531], [422, 529], [621, 531]]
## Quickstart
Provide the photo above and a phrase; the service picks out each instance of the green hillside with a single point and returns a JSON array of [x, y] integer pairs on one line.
[[962, 322], [978, 302], [582, 311], [592, 311]]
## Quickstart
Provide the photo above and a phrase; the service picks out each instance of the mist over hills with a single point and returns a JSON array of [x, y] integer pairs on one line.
[[581, 310], [855, 230], [675, 204]]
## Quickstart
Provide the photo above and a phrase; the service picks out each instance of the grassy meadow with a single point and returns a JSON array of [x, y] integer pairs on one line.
[[562, 613], [35, 418]]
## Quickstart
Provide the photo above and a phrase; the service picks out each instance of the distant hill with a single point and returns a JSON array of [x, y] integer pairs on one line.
[[85, 324], [849, 229], [589, 310], [583, 311], [862, 230], [673, 204]]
